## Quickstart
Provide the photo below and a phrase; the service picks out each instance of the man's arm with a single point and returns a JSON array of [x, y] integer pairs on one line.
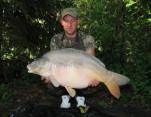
[[90, 49]]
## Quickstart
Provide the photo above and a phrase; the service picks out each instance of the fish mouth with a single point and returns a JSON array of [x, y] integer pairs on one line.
[[29, 69]]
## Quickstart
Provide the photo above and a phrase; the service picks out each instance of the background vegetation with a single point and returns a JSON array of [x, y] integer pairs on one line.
[[122, 30]]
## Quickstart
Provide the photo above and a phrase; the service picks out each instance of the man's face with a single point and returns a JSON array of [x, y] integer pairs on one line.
[[69, 24]]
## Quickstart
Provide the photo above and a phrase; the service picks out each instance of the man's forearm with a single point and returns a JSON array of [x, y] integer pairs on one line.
[[91, 51]]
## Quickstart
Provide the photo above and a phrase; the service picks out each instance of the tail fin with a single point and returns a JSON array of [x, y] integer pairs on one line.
[[113, 80], [113, 87], [120, 79], [110, 79]]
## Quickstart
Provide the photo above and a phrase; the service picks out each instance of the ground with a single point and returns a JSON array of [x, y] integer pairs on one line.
[[40, 100]]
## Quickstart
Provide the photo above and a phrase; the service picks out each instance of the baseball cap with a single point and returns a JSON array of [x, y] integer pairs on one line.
[[69, 11]]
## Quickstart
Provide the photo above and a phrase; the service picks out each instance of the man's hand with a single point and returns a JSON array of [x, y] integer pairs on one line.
[[94, 83], [45, 79]]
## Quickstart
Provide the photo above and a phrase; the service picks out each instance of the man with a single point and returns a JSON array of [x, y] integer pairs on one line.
[[72, 38]]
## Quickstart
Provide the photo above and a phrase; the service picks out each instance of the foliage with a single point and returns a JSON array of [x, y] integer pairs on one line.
[[121, 30], [122, 33], [5, 95], [27, 27]]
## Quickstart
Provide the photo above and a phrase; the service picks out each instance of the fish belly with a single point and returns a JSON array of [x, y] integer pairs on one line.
[[72, 77]]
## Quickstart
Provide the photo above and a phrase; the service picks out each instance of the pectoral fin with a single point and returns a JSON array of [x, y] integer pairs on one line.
[[55, 82], [71, 91]]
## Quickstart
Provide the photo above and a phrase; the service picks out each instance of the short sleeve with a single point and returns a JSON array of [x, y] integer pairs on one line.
[[55, 42], [89, 42]]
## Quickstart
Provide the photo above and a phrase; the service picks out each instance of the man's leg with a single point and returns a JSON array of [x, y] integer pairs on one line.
[[80, 98], [65, 99]]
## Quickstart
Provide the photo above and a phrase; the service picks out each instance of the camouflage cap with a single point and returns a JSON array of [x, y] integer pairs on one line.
[[69, 11]]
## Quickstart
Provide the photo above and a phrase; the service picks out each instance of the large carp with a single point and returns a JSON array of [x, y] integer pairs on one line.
[[73, 68]]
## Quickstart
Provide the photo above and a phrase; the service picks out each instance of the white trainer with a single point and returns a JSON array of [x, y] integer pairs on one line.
[[80, 101], [65, 102]]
